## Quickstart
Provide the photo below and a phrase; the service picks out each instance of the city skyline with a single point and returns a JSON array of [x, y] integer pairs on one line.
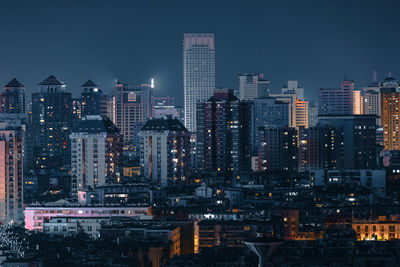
[[107, 44], [208, 133]]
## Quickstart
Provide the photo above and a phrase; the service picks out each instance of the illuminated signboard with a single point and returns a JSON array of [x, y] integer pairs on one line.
[[132, 97]]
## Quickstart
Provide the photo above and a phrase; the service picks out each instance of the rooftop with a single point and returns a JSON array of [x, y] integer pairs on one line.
[[14, 83], [52, 80], [164, 124], [89, 83], [95, 124], [62, 203]]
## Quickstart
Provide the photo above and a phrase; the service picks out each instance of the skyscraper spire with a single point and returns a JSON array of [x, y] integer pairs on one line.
[[375, 76]]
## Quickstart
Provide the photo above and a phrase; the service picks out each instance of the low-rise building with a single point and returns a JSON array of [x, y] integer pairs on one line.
[[382, 228], [72, 226], [375, 180], [36, 215]]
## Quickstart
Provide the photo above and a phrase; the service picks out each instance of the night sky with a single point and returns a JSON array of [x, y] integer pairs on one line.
[[315, 42]]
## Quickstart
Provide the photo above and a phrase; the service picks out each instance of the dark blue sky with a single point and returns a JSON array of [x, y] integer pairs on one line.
[[316, 42]]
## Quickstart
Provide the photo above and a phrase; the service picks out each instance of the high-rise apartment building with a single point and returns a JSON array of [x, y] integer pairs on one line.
[[339, 142], [51, 124], [390, 112], [333, 101], [133, 107], [358, 139], [223, 127], [252, 86], [301, 113], [13, 98], [93, 100], [278, 149], [198, 73], [11, 170], [320, 147], [96, 153], [164, 151], [267, 111]]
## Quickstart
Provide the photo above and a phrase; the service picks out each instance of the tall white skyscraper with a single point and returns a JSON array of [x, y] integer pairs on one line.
[[252, 86], [198, 73]]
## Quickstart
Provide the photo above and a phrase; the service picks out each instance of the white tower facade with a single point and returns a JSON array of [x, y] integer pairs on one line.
[[198, 73]]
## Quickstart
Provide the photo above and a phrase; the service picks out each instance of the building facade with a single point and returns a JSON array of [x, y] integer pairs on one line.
[[357, 136], [11, 171], [96, 154], [93, 100], [320, 147], [374, 180], [36, 215], [13, 98], [371, 104], [198, 73], [278, 149], [133, 106], [339, 101], [289, 98], [51, 124], [223, 127], [164, 151], [252, 86], [301, 113], [358, 102], [312, 114], [267, 111], [390, 106], [293, 86], [382, 228], [111, 109]]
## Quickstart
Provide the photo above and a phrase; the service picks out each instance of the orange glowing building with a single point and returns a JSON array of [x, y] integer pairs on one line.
[[390, 109], [380, 229], [301, 113], [390, 96]]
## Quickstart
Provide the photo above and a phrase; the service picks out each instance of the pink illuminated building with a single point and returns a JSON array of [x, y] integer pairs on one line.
[[36, 215]]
